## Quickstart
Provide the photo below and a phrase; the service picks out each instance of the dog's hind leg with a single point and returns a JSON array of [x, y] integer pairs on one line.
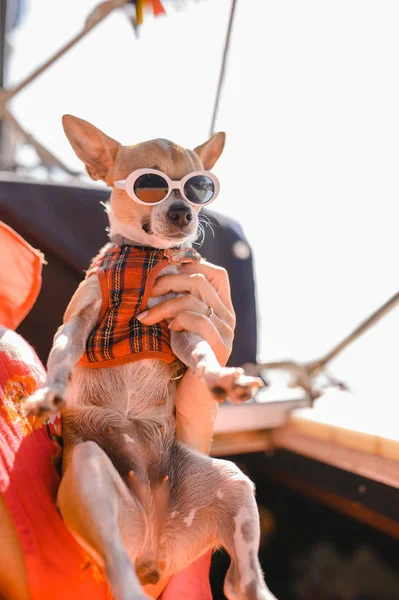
[[93, 500], [213, 504], [240, 534]]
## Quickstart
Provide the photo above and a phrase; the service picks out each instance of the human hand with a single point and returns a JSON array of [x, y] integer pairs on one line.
[[204, 286]]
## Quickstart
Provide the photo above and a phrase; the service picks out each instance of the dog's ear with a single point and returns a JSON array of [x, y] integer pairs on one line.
[[92, 146], [210, 151]]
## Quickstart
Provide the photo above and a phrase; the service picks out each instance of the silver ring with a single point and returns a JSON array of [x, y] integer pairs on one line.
[[211, 312]]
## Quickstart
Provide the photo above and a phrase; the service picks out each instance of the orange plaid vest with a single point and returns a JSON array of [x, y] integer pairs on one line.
[[126, 274]]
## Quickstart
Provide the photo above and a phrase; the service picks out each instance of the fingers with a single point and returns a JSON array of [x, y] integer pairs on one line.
[[217, 277], [197, 285], [207, 329], [202, 286], [175, 307], [204, 326], [170, 308]]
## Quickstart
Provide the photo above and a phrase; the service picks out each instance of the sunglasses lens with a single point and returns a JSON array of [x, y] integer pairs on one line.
[[150, 188], [199, 189]]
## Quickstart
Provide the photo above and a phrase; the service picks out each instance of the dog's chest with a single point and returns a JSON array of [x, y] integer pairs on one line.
[[141, 389]]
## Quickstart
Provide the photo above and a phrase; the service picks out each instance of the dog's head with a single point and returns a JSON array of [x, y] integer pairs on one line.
[[163, 225]]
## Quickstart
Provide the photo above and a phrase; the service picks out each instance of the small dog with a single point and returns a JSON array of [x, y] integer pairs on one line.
[[141, 503]]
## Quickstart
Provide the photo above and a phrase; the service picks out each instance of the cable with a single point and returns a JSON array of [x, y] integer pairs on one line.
[[223, 66]]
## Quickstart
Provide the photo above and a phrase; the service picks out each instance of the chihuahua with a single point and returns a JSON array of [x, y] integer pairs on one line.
[[142, 504]]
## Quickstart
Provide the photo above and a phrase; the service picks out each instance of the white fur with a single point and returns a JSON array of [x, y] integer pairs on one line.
[[117, 394], [247, 573], [190, 517], [140, 237], [61, 342]]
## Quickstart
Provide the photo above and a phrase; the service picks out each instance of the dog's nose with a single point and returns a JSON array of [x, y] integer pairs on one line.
[[180, 215]]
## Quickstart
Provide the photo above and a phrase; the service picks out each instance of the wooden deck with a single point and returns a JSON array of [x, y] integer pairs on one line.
[[339, 431]]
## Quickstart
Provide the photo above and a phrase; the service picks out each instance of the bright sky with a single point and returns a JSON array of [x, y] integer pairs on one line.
[[310, 108]]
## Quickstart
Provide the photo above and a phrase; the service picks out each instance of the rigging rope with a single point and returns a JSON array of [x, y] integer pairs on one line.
[[304, 375], [223, 67]]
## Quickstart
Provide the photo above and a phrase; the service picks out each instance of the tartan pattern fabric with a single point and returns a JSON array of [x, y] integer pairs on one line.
[[126, 274]]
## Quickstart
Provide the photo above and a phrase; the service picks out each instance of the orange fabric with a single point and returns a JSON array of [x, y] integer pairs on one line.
[[20, 277], [55, 564], [192, 583], [126, 275], [157, 8]]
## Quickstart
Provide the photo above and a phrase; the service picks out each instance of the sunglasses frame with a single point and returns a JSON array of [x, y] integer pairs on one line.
[[128, 185]]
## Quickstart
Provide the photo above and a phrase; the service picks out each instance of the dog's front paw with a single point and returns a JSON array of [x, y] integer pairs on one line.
[[231, 383], [44, 402]]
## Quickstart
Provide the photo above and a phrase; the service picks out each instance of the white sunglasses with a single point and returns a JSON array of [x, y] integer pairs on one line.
[[149, 186]]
